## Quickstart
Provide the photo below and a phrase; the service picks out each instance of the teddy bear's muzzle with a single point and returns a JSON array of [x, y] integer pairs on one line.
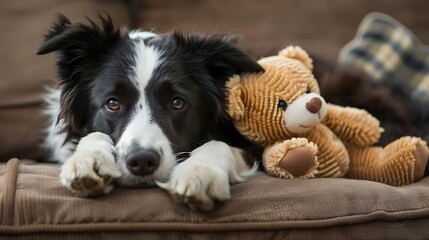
[[305, 113]]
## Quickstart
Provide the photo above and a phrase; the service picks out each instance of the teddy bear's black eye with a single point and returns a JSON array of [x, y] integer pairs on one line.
[[282, 105], [308, 90]]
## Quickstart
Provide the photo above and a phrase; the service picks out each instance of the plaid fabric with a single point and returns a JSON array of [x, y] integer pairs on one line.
[[384, 48]]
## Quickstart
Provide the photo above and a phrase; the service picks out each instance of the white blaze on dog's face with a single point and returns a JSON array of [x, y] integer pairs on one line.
[[142, 136]]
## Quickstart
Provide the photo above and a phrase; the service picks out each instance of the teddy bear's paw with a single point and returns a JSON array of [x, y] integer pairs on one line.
[[198, 185], [299, 162], [294, 158], [90, 171]]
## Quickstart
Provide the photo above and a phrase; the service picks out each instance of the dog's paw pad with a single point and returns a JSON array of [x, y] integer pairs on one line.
[[107, 179], [84, 183], [88, 187], [89, 182]]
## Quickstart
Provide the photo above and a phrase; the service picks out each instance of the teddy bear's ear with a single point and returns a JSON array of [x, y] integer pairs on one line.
[[235, 103], [299, 54]]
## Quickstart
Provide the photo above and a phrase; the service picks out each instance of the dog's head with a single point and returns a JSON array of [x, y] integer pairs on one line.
[[156, 96]]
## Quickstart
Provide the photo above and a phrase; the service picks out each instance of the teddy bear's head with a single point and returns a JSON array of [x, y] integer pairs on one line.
[[281, 102]]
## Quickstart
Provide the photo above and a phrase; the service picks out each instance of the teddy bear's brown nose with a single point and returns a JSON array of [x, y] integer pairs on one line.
[[314, 105]]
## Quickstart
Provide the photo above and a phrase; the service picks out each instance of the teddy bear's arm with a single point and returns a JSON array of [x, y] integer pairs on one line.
[[332, 154], [353, 125]]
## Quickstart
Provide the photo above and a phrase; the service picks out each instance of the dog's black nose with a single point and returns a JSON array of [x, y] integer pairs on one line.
[[142, 161]]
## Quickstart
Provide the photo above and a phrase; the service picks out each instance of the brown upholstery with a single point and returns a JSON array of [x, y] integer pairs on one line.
[[33, 204]]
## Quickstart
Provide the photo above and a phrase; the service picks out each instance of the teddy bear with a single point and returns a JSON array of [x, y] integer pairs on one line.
[[302, 136]]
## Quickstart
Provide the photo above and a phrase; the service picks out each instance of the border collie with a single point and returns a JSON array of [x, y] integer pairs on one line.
[[142, 109]]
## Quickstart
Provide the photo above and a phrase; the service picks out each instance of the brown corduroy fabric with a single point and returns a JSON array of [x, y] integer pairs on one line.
[[40, 208]]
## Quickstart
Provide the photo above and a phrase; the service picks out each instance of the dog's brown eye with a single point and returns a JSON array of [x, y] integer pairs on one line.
[[308, 90], [113, 105], [177, 103]]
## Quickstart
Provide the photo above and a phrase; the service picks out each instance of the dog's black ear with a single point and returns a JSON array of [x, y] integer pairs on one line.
[[224, 60], [76, 44], [52, 41], [221, 58], [65, 36], [79, 48]]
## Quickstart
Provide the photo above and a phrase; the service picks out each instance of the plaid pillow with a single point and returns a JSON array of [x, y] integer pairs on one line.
[[386, 49]]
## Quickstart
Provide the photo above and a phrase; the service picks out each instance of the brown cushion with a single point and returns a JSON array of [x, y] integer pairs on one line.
[[24, 74], [36, 206]]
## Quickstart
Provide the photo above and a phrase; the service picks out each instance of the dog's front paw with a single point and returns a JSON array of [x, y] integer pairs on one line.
[[91, 169], [198, 185]]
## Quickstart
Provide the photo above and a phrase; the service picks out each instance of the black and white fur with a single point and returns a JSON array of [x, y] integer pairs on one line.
[[144, 109]]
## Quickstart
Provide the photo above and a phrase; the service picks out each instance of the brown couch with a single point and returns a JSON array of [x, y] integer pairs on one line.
[[33, 204]]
